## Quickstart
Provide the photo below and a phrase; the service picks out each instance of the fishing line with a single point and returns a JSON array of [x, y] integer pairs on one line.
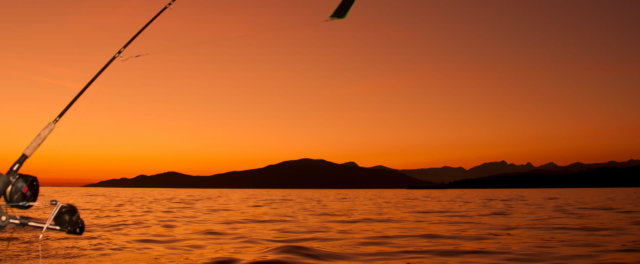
[[44, 133], [134, 56], [21, 191], [51, 216], [13, 230], [40, 249]]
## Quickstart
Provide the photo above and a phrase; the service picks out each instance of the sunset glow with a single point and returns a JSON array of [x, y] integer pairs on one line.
[[234, 85]]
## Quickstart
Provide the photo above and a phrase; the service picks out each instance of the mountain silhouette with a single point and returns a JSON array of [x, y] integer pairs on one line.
[[302, 173], [441, 175], [322, 174], [588, 177], [448, 174]]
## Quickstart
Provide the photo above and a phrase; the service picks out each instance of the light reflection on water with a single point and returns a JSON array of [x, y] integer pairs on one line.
[[336, 226]]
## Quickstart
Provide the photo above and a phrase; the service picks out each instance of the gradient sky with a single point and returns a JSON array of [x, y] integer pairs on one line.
[[232, 85]]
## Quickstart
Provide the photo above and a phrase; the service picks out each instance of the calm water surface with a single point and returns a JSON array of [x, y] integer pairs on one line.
[[336, 226]]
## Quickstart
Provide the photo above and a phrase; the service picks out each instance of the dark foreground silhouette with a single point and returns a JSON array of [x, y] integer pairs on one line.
[[321, 174]]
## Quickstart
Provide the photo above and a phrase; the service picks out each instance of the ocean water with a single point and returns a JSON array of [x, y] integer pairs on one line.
[[336, 226]]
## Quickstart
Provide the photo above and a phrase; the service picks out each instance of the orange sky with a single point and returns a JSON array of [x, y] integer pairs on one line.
[[233, 85]]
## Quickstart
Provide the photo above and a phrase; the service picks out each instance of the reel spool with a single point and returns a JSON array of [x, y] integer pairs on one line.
[[22, 192]]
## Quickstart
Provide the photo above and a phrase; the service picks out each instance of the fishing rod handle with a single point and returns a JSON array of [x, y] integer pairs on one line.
[[31, 148], [44, 133]]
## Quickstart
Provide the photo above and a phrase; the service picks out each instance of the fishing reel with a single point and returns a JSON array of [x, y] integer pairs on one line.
[[20, 191], [68, 219]]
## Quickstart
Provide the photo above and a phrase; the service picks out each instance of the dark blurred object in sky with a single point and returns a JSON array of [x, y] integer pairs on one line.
[[343, 9]]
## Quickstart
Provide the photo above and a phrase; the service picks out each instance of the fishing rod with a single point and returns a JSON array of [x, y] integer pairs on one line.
[[21, 191]]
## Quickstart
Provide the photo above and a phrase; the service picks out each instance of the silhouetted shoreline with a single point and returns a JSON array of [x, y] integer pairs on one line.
[[322, 174]]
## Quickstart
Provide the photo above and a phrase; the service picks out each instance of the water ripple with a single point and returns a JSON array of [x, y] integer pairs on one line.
[[274, 261], [340, 226], [309, 253], [302, 239], [158, 241], [224, 260], [363, 220], [429, 237]]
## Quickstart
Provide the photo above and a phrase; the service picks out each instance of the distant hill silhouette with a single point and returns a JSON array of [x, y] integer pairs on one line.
[[303, 173], [581, 178], [448, 174], [322, 174]]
